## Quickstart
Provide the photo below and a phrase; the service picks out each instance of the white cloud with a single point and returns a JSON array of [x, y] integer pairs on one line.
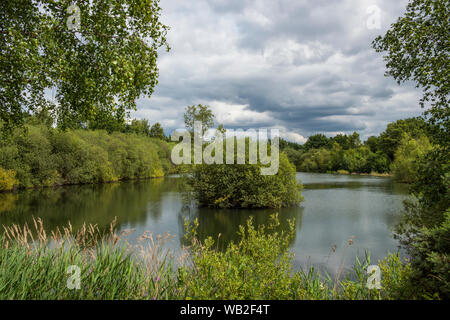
[[238, 115], [293, 136], [306, 66]]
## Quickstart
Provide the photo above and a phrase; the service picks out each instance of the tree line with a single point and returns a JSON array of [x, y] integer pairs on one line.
[[395, 151], [43, 156]]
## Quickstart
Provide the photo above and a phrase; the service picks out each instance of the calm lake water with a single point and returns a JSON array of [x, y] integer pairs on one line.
[[336, 209]]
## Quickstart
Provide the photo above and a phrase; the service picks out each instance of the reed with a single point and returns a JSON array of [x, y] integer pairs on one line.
[[34, 264]]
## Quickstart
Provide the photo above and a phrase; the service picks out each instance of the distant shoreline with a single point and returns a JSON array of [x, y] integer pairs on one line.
[[345, 172], [55, 186]]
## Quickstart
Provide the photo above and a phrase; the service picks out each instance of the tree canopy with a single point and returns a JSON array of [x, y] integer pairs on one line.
[[390, 139], [157, 131], [201, 113], [97, 68], [417, 48]]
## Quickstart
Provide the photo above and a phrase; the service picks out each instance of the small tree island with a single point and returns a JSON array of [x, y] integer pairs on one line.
[[241, 184]]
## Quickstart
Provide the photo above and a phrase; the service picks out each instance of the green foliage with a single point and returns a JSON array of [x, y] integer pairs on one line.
[[410, 151], [431, 262], [347, 142], [417, 49], [104, 120], [345, 152], [294, 156], [138, 127], [157, 131], [284, 144], [355, 160], [44, 156], [79, 161], [342, 152], [359, 160], [7, 179], [29, 154], [315, 160], [259, 266], [432, 186], [20, 64], [199, 113], [42, 274], [97, 71], [424, 229], [317, 141], [378, 162], [243, 185], [395, 281], [41, 117], [373, 143], [390, 139]]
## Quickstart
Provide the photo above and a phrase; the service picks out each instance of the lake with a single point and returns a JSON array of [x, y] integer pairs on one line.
[[337, 208]]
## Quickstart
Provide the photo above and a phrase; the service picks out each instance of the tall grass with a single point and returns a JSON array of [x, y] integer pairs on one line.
[[34, 264]]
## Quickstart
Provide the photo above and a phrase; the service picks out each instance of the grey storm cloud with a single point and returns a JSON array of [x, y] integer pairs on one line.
[[304, 66]]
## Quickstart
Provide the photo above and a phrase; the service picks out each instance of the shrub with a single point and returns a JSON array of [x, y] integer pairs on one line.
[[79, 161], [258, 267], [405, 166], [43, 156], [396, 278], [431, 261], [395, 281], [7, 179], [315, 160], [243, 186], [294, 156], [29, 154], [355, 160]]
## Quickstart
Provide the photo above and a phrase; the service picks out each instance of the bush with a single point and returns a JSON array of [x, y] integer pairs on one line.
[[243, 185], [29, 154], [431, 262], [406, 164], [315, 160], [294, 156], [43, 156], [258, 267], [395, 281], [7, 179]]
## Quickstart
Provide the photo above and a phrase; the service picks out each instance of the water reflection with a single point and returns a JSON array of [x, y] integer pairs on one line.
[[337, 207], [226, 222], [132, 202]]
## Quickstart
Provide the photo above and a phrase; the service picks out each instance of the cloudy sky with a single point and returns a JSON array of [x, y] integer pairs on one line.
[[304, 67]]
